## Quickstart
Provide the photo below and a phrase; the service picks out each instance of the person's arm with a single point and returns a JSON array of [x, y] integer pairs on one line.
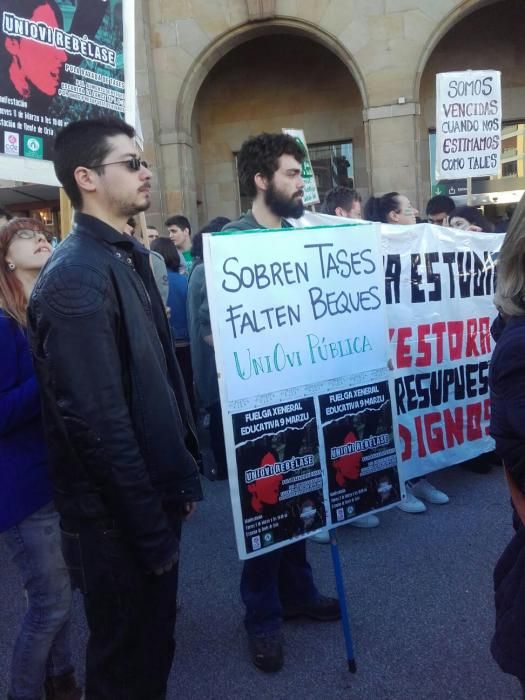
[[508, 405], [160, 273], [19, 402], [204, 312], [74, 325]]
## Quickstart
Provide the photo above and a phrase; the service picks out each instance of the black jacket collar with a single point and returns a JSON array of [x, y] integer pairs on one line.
[[95, 228]]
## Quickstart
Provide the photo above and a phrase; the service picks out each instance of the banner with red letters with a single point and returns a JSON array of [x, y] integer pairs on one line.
[[439, 288]]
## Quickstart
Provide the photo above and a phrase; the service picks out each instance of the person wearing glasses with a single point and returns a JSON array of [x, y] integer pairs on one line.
[[28, 520], [395, 208], [122, 446]]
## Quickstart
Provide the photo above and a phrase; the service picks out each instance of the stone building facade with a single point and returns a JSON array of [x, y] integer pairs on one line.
[[210, 73]]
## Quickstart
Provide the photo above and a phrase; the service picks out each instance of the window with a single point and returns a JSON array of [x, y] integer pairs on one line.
[[333, 165], [512, 166]]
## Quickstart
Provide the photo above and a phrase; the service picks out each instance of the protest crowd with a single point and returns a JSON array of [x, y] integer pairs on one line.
[[108, 382]]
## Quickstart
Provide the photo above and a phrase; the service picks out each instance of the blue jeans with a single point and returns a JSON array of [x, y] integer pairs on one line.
[[42, 646], [272, 580]]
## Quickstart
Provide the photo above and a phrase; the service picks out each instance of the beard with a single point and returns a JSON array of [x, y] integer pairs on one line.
[[128, 209], [283, 206]]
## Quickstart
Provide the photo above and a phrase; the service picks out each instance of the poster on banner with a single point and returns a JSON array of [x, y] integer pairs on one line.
[[439, 288], [360, 450], [311, 196], [468, 124], [280, 481], [294, 332], [60, 61]]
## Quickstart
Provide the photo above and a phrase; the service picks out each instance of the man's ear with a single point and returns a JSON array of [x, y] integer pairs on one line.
[[261, 182], [339, 212], [85, 178]]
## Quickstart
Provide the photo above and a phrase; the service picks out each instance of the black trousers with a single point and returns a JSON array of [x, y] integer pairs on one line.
[[183, 354], [217, 440], [130, 613]]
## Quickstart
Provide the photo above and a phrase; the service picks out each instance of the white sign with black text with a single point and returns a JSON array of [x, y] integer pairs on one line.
[[468, 124]]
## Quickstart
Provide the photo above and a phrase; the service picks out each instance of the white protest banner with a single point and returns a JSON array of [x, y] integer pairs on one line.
[[61, 62], [311, 196], [301, 350], [468, 124], [439, 285], [283, 318]]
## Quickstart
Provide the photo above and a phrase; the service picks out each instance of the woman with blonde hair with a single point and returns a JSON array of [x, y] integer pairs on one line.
[[28, 521], [507, 426]]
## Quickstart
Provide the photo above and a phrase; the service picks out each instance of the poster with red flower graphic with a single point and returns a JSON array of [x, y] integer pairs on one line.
[[360, 450], [279, 472]]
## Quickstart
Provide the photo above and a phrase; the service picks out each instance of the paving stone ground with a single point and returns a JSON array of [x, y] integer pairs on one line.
[[419, 590]]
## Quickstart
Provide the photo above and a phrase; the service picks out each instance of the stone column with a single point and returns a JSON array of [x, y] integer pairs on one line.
[[179, 175], [393, 135]]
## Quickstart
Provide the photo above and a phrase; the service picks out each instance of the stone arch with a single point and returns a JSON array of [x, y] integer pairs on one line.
[[244, 33], [465, 9]]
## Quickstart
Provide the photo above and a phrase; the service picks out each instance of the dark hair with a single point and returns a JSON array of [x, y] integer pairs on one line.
[[212, 226], [84, 143], [260, 154], [339, 196], [179, 220], [5, 214], [440, 203], [473, 216], [378, 208], [169, 252], [151, 226], [26, 8]]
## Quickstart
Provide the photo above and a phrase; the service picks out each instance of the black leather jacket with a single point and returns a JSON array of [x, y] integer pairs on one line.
[[120, 441]]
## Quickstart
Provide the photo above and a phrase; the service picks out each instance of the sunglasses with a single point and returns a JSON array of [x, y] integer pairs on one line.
[[134, 164]]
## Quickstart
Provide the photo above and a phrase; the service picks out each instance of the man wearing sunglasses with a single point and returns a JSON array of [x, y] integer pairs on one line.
[[121, 443]]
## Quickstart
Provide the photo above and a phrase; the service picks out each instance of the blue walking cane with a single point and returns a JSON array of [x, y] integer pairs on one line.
[[345, 620]]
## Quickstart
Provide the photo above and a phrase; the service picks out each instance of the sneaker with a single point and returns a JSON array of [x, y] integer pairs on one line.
[[267, 652], [411, 504], [322, 609], [423, 489], [321, 537], [366, 521]]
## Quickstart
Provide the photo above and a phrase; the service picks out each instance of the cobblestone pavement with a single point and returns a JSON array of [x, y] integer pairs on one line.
[[418, 590]]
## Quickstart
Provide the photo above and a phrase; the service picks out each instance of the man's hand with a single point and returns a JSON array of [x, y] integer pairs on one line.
[[168, 566], [188, 509]]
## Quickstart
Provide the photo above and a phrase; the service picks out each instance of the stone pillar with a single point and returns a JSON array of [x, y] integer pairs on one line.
[[179, 175], [393, 134], [147, 103]]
